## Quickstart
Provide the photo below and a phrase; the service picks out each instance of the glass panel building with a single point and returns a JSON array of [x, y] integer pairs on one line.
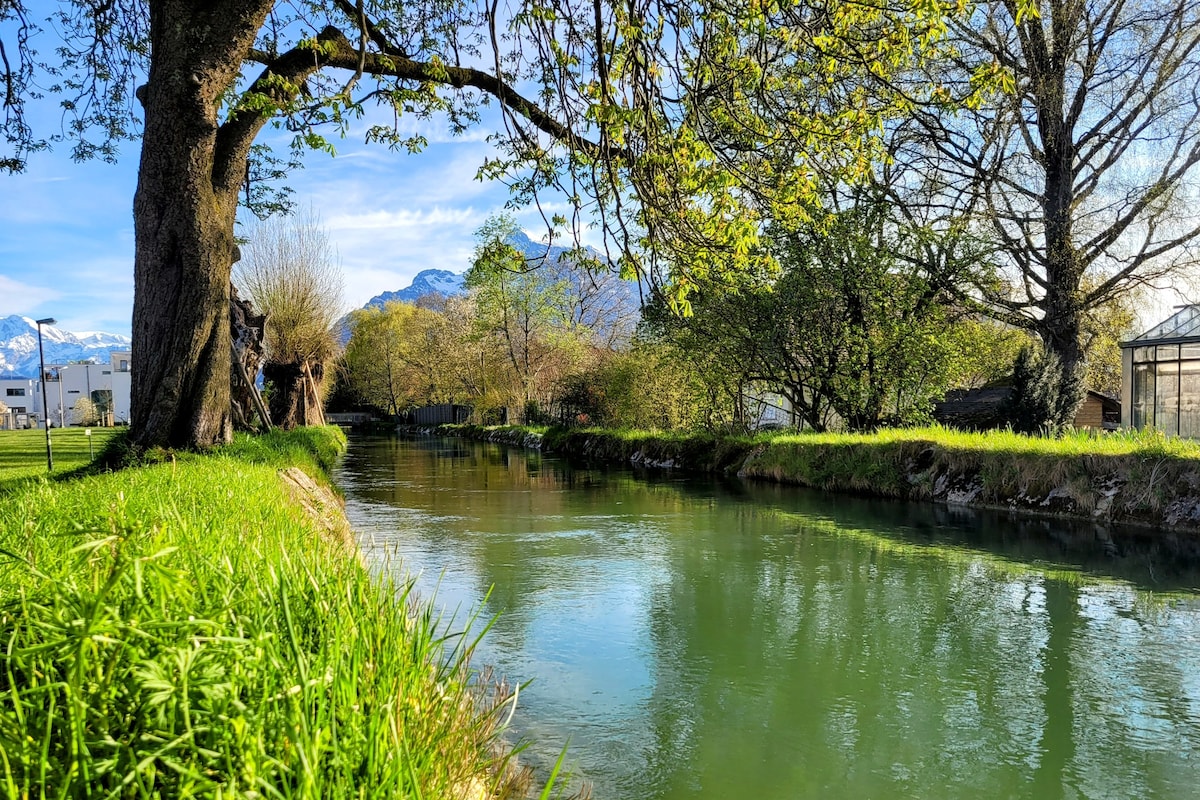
[[1160, 376]]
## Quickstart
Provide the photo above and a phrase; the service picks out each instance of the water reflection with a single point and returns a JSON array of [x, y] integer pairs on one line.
[[711, 639]]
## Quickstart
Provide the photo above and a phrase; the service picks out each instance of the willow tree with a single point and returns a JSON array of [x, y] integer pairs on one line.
[[647, 114], [290, 272]]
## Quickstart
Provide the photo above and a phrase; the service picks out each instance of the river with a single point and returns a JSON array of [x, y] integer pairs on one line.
[[706, 638]]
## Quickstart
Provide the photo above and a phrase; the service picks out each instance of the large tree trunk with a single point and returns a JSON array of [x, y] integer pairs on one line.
[[184, 213], [1061, 325]]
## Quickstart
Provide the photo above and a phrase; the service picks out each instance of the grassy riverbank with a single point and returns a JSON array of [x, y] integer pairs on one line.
[[1140, 477], [186, 629]]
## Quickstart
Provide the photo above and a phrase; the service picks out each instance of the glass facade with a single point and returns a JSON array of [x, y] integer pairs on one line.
[[1166, 388]]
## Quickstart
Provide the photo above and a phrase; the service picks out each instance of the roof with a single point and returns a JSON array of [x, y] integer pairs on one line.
[[973, 408], [1183, 325]]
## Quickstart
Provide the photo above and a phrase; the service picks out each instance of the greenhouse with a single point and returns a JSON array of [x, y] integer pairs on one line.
[[1160, 376]]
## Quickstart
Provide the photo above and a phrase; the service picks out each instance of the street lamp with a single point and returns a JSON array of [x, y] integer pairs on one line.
[[45, 408]]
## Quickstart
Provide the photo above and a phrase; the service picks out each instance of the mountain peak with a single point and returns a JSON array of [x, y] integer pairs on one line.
[[19, 346], [427, 281]]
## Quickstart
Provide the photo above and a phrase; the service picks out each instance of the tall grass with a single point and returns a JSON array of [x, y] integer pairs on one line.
[[182, 630], [1137, 443]]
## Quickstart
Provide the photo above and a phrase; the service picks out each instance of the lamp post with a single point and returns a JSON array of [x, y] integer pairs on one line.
[[45, 408]]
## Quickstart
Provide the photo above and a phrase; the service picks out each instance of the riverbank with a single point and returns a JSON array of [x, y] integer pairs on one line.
[[1131, 478], [202, 626]]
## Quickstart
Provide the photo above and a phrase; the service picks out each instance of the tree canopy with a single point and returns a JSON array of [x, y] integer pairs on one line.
[[1038, 152], [1076, 184]]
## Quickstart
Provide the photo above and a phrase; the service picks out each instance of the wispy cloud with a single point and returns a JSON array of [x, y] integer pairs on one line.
[[382, 250], [391, 215], [24, 298]]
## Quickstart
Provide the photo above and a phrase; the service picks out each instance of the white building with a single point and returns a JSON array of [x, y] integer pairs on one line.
[[106, 385], [23, 398]]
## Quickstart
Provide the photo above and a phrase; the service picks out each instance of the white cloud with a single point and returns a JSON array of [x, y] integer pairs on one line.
[[24, 298], [382, 251], [391, 215]]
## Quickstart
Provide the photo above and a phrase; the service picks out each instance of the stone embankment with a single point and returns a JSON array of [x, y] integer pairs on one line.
[[1142, 489]]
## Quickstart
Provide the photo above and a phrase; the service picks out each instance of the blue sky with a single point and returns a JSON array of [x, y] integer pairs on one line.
[[66, 247]]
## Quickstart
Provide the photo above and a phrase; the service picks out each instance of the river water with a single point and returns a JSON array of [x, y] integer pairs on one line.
[[707, 638]]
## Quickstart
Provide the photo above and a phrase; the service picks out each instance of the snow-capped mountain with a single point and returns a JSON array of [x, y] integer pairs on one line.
[[19, 346], [427, 281], [612, 304], [548, 254]]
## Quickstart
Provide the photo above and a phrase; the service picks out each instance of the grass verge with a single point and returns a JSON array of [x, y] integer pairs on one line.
[[181, 629], [1130, 476]]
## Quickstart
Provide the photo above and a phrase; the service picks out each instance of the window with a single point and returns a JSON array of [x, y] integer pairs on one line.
[[106, 372], [1189, 399], [14, 392], [1166, 397], [17, 409], [1143, 395], [103, 400], [123, 366]]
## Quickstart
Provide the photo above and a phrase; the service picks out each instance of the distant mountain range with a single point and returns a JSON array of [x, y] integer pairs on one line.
[[449, 283], [19, 346]]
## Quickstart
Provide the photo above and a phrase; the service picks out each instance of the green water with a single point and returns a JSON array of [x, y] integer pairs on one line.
[[701, 638]]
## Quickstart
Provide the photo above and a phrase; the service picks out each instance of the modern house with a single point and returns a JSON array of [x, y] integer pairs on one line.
[[106, 385], [1160, 376], [23, 398]]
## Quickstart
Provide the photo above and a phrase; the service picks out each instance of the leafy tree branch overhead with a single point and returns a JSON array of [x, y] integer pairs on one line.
[[660, 122]]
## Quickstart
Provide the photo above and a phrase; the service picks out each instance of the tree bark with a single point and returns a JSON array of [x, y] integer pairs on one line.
[[288, 388], [247, 330], [1061, 326], [184, 213]]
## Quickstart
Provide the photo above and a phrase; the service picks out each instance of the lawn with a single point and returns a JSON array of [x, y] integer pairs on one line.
[[23, 453]]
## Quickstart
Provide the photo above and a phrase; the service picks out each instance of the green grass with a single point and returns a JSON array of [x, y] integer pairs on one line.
[[182, 629], [23, 453], [1133, 476], [1144, 443]]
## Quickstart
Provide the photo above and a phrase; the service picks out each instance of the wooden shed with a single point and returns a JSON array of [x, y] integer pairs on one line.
[[983, 409]]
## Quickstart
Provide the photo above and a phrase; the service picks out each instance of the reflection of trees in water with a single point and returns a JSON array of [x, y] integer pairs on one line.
[[795, 646], [1146, 557], [832, 667], [826, 665], [1056, 747]]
